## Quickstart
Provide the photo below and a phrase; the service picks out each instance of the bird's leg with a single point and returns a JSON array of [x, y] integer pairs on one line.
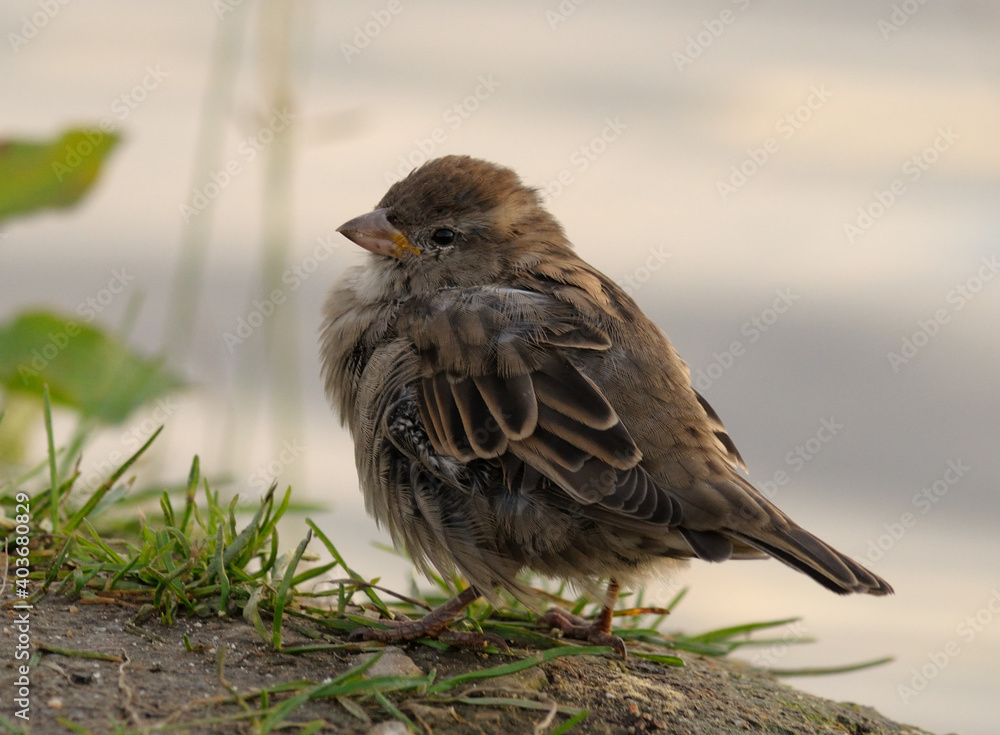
[[597, 631], [434, 625]]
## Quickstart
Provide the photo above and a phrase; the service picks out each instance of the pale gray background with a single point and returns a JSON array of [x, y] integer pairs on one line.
[[653, 190]]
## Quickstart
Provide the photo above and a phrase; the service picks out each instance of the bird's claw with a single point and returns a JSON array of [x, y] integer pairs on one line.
[[596, 632]]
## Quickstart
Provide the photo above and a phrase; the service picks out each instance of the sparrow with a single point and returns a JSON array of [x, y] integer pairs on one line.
[[513, 409]]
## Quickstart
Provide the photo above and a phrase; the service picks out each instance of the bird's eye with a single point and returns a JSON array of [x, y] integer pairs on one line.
[[443, 236]]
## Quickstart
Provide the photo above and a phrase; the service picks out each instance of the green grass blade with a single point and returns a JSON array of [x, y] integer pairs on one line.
[[54, 568], [827, 670], [224, 588], [234, 551], [512, 668], [279, 713], [251, 612], [312, 573], [281, 598], [369, 592], [571, 723], [660, 658], [94, 499], [724, 634], [53, 475], [109, 553], [189, 494], [393, 710]]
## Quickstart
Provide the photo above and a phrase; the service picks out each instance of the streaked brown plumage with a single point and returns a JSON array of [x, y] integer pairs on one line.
[[513, 408]]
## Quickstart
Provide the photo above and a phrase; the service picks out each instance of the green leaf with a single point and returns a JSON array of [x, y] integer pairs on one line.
[[85, 368], [42, 175]]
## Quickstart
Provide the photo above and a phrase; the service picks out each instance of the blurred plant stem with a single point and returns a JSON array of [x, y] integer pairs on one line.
[[280, 331], [277, 33], [267, 366], [20, 415], [216, 111]]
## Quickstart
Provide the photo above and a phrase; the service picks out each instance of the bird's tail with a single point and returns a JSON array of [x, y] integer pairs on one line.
[[799, 549], [755, 527]]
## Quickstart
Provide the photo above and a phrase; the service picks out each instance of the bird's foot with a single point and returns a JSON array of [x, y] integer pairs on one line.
[[434, 625], [597, 631]]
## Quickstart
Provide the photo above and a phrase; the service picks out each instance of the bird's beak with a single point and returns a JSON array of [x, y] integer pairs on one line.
[[375, 233]]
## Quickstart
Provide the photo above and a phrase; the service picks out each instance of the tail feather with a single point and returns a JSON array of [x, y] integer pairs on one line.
[[800, 550]]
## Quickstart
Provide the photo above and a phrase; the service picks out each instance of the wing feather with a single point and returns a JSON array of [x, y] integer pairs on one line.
[[511, 402], [485, 436], [503, 380]]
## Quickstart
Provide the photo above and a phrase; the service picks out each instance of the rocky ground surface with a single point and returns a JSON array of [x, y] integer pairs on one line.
[[150, 679]]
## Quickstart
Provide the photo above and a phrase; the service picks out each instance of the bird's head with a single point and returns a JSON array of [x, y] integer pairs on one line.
[[456, 221]]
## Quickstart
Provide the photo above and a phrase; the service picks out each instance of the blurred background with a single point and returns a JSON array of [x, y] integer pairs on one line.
[[805, 201]]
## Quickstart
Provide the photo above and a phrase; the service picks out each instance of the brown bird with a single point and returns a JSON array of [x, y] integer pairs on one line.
[[512, 408]]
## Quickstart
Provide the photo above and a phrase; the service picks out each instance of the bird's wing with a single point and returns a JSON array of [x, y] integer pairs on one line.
[[498, 381], [722, 437]]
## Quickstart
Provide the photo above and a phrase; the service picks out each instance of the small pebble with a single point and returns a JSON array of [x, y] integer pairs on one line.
[[389, 727], [392, 663]]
